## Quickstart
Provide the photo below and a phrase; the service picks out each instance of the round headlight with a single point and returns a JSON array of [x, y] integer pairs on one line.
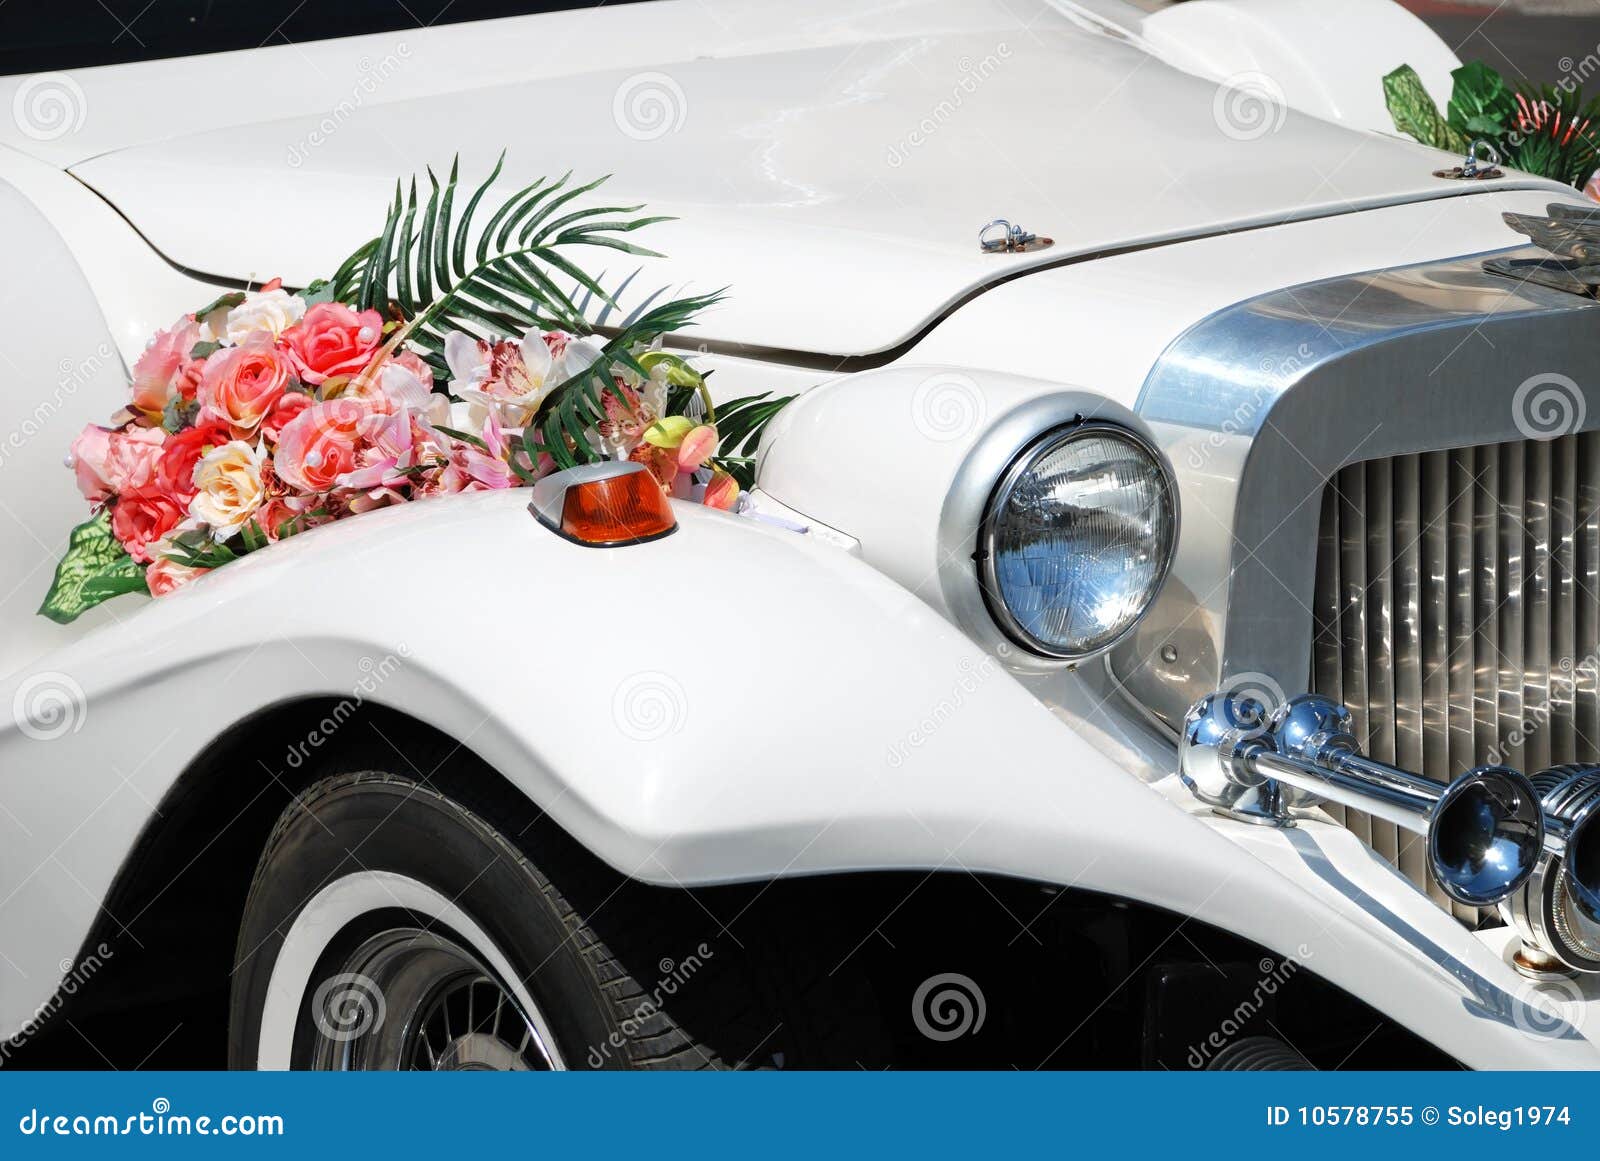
[[1077, 539]]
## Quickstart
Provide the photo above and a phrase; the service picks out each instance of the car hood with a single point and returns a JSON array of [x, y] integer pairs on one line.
[[834, 181]]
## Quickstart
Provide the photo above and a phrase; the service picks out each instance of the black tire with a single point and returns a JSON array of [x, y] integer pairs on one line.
[[592, 947]]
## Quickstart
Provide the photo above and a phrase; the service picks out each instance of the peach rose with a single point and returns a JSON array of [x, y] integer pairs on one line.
[[333, 340], [319, 445], [241, 385], [228, 488], [142, 516], [168, 576], [107, 460], [164, 368]]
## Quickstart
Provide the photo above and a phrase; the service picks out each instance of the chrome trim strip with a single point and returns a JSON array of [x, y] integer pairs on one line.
[[1484, 999]]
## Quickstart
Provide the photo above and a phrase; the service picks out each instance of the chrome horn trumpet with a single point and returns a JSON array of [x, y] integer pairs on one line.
[[1485, 830], [1557, 912]]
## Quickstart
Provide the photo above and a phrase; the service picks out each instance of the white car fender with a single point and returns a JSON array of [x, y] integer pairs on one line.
[[1322, 59], [729, 703]]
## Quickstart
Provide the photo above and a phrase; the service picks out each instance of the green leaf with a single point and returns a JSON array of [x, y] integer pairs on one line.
[[319, 290], [679, 372], [423, 262], [1416, 115], [1481, 104], [464, 436], [204, 350], [229, 299], [95, 568]]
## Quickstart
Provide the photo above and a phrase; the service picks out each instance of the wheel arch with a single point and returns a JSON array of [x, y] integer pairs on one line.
[[181, 911]]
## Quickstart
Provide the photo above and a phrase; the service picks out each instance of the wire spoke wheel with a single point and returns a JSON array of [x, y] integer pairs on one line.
[[417, 1000]]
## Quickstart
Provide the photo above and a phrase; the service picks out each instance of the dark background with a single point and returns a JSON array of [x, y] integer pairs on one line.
[[1531, 38], [47, 35]]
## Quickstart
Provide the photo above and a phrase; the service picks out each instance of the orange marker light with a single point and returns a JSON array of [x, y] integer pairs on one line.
[[604, 505]]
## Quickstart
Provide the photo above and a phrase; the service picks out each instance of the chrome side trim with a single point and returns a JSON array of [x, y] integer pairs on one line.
[[1483, 999]]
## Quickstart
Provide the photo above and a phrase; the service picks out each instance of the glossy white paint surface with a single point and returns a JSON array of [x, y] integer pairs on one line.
[[1321, 58], [842, 753], [650, 755], [950, 121]]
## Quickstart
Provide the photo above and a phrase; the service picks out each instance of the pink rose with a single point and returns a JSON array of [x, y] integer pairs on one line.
[[88, 460], [242, 384], [142, 516], [135, 452], [175, 471], [165, 368], [289, 405], [319, 445], [333, 340], [168, 576]]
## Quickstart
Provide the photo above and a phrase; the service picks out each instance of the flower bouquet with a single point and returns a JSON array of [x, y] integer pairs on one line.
[[269, 411]]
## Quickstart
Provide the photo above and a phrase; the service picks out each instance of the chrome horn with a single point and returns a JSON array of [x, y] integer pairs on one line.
[[1557, 912], [1485, 830]]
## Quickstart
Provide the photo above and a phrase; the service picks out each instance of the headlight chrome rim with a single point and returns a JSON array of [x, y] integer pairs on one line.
[[1023, 462]]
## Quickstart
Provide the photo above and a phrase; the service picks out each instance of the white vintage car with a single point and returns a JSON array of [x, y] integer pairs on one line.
[[1126, 657]]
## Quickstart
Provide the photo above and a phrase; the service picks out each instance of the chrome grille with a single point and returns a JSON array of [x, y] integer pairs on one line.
[[1457, 612]]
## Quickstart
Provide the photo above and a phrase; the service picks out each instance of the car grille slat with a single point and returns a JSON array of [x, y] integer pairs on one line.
[[1586, 692], [1457, 613]]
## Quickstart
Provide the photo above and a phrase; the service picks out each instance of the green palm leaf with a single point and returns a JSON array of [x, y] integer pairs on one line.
[[425, 268], [438, 275]]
